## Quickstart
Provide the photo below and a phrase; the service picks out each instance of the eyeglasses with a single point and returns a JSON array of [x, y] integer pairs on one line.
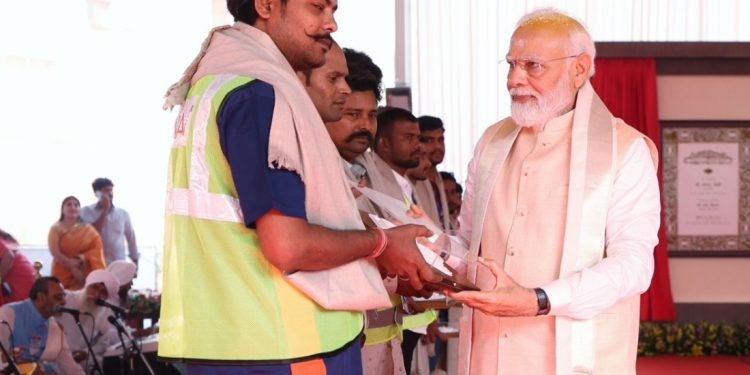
[[534, 68]]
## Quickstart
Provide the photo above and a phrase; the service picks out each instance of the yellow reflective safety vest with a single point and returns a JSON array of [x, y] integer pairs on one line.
[[379, 335], [222, 300]]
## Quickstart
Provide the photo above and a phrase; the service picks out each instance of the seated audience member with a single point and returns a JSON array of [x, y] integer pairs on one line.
[[16, 272], [124, 272], [100, 284], [75, 246], [32, 333]]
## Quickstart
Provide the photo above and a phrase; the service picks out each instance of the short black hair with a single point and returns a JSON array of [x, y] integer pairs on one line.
[[386, 118], [41, 285], [244, 10], [448, 176], [364, 75], [100, 183], [428, 123]]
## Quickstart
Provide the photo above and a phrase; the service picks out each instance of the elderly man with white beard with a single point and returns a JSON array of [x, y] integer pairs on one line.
[[100, 284], [562, 211]]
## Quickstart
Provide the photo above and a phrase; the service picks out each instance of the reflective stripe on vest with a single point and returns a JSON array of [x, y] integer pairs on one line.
[[203, 205], [197, 202], [221, 299]]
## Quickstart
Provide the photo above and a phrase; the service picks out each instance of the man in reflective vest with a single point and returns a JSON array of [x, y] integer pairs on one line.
[[256, 194]]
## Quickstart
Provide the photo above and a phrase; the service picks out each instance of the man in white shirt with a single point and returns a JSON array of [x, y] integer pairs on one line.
[[112, 222], [564, 198]]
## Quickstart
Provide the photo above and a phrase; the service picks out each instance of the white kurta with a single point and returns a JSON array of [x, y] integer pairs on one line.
[[524, 231]]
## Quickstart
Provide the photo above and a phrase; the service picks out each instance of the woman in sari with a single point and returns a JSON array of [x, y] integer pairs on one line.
[[75, 246]]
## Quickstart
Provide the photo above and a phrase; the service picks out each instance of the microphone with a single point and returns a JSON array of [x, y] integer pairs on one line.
[[115, 322], [115, 308], [63, 309]]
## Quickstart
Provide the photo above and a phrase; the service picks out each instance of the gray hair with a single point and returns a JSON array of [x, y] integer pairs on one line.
[[578, 35]]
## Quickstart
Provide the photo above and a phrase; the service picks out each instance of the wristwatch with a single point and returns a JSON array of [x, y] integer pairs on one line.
[[542, 301]]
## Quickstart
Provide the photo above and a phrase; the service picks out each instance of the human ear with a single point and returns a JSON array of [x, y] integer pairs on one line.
[[383, 146], [263, 7], [582, 67]]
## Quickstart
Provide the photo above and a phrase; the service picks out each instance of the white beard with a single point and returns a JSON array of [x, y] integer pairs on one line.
[[544, 108], [89, 307]]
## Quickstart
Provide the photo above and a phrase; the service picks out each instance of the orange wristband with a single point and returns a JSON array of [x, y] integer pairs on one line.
[[382, 243]]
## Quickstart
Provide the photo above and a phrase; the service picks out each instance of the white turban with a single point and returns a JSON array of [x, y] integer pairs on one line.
[[124, 271], [106, 277]]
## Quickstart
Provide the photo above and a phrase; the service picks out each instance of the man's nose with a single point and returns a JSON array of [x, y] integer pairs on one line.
[[345, 89], [516, 77], [329, 22], [371, 125]]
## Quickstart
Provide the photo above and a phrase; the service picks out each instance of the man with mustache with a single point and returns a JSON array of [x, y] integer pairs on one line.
[[562, 206], [33, 334], [351, 122], [352, 131], [396, 149], [258, 206]]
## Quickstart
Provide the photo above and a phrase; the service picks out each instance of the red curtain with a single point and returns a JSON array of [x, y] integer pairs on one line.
[[628, 88]]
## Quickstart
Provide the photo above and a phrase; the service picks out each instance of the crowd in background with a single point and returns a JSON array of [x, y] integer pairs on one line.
[[89, 269]]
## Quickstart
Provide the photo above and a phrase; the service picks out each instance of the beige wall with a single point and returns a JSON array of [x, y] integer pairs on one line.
[[707, 280], [710, 280], [704, 97]]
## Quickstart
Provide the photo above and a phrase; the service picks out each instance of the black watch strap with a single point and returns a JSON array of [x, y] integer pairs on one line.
[[542, 300]]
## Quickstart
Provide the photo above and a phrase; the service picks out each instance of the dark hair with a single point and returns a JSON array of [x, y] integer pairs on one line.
[[244, 10], [101, 183], [7, 237], [41, 285], [386, 118], [427, 123], [448, 176], [62, 205], [364, 75]]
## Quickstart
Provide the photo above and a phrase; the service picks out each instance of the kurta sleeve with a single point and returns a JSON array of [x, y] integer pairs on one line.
[[633, 221]]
